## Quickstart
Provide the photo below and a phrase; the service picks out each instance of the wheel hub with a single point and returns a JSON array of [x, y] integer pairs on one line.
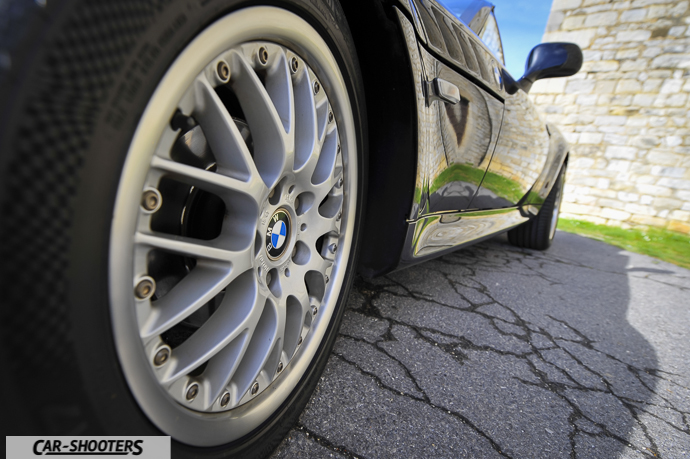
[[278, 234]]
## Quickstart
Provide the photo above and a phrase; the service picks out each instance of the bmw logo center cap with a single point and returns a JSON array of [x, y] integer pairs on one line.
[[277, 234]]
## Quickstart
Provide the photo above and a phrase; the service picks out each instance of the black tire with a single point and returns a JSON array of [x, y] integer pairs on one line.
[[81, 75], [538, 233]]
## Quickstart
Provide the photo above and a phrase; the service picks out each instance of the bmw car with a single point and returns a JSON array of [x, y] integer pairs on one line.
[[189, 187]]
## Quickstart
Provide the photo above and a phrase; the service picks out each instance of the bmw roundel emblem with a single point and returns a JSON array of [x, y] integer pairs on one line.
[[277, 234]]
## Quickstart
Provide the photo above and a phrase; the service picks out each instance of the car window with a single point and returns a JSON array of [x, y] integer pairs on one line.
[[492, 38]]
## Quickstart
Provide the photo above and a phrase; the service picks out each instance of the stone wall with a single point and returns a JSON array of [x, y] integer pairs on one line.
[[626, 113]]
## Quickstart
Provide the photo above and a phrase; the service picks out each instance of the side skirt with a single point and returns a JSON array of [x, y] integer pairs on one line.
[[436, 235]]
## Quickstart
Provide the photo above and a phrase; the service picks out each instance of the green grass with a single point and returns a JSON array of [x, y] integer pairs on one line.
[[659, 243], [501, 186]]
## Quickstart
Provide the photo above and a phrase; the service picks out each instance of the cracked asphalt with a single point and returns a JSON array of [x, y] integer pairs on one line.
[[493, 351]]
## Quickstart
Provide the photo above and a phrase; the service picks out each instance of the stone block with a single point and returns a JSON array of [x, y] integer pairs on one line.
[[628, 85], [581, 163], [544, 99], [680, 215], [603, 184], [655, 12], [640, 210], [634, 65], [652, 85], [618, 165], [646, 141], [591, 55], [646, 199], [615, 139], [676, 100], [619, 152], [549, 86], [582, 37], [673, 172], [627, 54], [643, 3], [662, 158], [579, 86], [673, 61], [610, 120], [611, 129], [677, 31], [615, 214], [571, 208], [611, 203], [671, 86], [637, 121], [651, 52], [555, 20], [606, 18], [673, 141], [680, 8], [604, 87], [571, 137], [647, 220], [679, 227], [635, 15], [667, 203], [628, 197], [565, 4], [591, 138], [644, 100], [633, 35], [602, 66], [587, 99], [573, 22], [679, 184]]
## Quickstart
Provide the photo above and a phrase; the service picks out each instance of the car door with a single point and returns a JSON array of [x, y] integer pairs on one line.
[[522, 148], [468, 128]]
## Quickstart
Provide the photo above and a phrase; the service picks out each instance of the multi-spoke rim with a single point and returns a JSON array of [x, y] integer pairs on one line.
[[250, 125]]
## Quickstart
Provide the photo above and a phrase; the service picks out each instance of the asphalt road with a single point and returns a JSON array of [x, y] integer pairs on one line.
[[581, 351]]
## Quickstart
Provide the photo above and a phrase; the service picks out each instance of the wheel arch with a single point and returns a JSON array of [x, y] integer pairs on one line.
[[392, 127]]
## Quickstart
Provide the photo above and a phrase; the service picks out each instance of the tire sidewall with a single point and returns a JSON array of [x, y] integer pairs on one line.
[[106, 404]]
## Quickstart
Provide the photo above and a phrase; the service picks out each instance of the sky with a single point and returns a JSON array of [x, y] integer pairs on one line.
[[522, 24]]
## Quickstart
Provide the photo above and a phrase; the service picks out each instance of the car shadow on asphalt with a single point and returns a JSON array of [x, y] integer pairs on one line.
[[494, 351]]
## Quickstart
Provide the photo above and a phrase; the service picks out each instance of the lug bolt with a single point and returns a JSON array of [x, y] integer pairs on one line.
[[151, 200], [338, 152], [225, 399], [263, 55], [317, 87], [161, 356], [255, 388], [192, 392], [340, 215], [223, 71], [330, 117], [332, 248], [299, 342], [294, 65], [145, 288], [340, 182], [314, 310], [269, 277], [280, 367], [328, 279]]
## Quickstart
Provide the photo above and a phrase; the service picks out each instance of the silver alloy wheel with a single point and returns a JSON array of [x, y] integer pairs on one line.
[[257, 294]]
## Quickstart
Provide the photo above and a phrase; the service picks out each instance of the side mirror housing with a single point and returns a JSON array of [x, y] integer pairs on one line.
[[550, 60]]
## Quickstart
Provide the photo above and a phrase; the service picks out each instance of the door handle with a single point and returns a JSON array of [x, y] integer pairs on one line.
[[440, 89]]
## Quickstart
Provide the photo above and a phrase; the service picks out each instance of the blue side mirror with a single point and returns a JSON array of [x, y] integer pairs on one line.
[[550, 60]]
